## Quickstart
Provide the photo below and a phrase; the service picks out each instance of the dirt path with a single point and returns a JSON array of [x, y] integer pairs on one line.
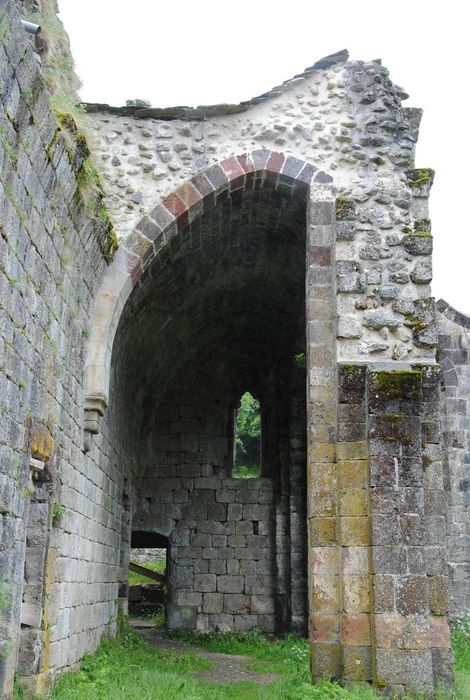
[[228, 668]]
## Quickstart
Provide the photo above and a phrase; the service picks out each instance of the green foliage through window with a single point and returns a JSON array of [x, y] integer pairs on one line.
[[247, 458]]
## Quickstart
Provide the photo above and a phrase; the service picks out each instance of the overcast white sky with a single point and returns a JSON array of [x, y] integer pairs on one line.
[[190, 52]]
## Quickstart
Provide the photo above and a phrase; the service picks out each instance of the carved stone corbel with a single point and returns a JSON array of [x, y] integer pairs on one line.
[[93, 412]]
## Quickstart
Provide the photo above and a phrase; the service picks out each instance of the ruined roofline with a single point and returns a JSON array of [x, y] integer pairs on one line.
[[205, 111]]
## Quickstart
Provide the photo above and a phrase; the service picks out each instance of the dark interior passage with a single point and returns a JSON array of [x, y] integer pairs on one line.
[[219, 312]]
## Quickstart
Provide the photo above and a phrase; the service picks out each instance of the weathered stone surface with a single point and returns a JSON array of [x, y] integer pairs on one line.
[[422, 272], [380, 318], [418, 244], [349, 327]]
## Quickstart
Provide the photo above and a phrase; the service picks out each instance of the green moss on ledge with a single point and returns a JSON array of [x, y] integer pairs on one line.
[[90, 192], [420, 176], [422, 226], [397, 384]]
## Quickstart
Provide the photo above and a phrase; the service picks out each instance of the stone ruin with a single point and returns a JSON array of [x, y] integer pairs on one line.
[[280, 246]]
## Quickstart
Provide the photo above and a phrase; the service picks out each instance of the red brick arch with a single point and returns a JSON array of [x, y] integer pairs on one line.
[[183, 205]]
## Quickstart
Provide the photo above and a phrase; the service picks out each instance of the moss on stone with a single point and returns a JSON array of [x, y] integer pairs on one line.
[[349, 369], [112, 244], [395, 384], [5, 27], [422, 226], [394, 416], [420, 176], [344, 208]]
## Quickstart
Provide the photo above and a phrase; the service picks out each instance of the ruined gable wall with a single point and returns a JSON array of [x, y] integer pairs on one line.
[[347, 120]]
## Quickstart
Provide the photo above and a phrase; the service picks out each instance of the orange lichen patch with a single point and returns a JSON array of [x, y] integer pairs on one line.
[[353, 473], [41, 442], [355, 531], [323, 452], [323, 476], [354, 502]]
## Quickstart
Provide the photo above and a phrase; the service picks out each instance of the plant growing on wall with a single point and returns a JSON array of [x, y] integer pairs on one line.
[[57, 512]]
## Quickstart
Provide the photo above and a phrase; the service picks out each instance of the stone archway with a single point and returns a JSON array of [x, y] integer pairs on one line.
[[156, 230], [250, 215]]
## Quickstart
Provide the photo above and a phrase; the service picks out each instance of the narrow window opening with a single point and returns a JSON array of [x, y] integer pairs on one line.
[[247, 439]]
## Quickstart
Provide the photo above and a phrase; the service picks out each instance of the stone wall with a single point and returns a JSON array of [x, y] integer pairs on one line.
[[453, 353], [234, 562], [378, 609], [67, 519], [346, 118]]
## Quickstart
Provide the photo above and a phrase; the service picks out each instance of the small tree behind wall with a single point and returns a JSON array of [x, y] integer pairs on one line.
[[247, 459]]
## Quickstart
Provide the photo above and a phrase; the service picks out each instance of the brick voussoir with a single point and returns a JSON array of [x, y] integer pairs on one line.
[[323, 178], [217, 176], [202, 185], [232, 168], [275, 162], [246, 163], [130, 263], [307, 173], [188, 194], [260, 158], [182, 220], [292, 167], [162, 217], [174, 204]]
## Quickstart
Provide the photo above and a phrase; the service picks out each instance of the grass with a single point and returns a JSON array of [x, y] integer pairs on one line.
[[246, 472], [158, 566], [289, 655], [128, 668], [461, 648]]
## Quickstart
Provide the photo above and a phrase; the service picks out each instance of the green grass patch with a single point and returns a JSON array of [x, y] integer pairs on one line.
[[127, 668], [241, 471], [159, 566], [288, 655], [461, 648]]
